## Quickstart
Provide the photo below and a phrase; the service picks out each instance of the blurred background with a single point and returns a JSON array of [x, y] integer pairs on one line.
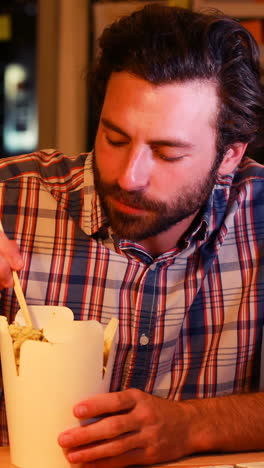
[[46, 49]]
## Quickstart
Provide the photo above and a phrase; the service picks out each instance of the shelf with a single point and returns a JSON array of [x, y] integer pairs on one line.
[[236, 9]]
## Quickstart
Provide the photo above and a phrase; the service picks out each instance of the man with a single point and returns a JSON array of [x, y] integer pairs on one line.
[[170, 240]]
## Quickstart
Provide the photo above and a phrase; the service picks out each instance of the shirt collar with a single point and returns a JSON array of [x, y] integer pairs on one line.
[[94, 219]]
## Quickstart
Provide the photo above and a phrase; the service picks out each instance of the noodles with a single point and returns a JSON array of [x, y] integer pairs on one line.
[[19, 334]]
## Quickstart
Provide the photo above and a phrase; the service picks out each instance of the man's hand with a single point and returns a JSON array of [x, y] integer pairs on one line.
[[135, 428], [10, 259], [139, 429]]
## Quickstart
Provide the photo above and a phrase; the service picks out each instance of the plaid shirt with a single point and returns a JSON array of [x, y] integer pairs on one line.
[[190, 320]]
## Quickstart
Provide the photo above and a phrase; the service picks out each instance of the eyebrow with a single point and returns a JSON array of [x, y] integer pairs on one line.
[[162, 142], [108, 124]]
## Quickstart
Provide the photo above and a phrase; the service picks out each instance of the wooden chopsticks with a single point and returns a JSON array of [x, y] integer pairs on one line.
[[20, 295]]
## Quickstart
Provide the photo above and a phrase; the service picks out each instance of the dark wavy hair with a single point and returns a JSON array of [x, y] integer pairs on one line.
[[165, 44]]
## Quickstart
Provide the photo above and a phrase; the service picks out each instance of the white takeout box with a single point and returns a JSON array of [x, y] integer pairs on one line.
[[53, 377]]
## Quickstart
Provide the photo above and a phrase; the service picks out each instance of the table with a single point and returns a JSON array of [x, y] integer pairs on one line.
[[226, 459]]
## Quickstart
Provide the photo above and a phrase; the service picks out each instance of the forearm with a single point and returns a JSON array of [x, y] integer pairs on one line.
[[226, 424]]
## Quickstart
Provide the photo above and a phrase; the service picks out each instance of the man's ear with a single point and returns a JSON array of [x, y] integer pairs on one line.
[[232, 158]]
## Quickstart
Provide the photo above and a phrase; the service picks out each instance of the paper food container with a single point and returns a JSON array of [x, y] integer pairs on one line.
[[53, 377]]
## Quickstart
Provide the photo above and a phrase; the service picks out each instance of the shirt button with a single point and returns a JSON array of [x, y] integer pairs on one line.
[[144, 340], [152, 266]]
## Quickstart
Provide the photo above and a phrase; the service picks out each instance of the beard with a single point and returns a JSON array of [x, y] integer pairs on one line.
[[158, 216]]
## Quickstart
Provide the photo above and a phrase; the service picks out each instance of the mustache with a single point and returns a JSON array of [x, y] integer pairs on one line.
[[135, 199]]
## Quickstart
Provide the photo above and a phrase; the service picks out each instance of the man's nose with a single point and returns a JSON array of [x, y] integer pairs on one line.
[[135, 173]]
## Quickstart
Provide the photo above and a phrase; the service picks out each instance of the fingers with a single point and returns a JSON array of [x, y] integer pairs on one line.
[[10, 259], [6, 279], [107, 428], [131, 423], [115, 410], [108, 403], [111, 436], [112, 449], [131, 458]]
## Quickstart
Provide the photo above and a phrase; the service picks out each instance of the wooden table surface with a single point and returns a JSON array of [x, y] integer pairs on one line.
[[195, 461]]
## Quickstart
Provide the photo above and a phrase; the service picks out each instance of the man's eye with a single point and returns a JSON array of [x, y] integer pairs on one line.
[[168, 158], [115, 142]]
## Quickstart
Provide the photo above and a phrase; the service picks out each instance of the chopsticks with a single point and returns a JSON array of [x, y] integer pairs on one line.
[[19, 294]]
